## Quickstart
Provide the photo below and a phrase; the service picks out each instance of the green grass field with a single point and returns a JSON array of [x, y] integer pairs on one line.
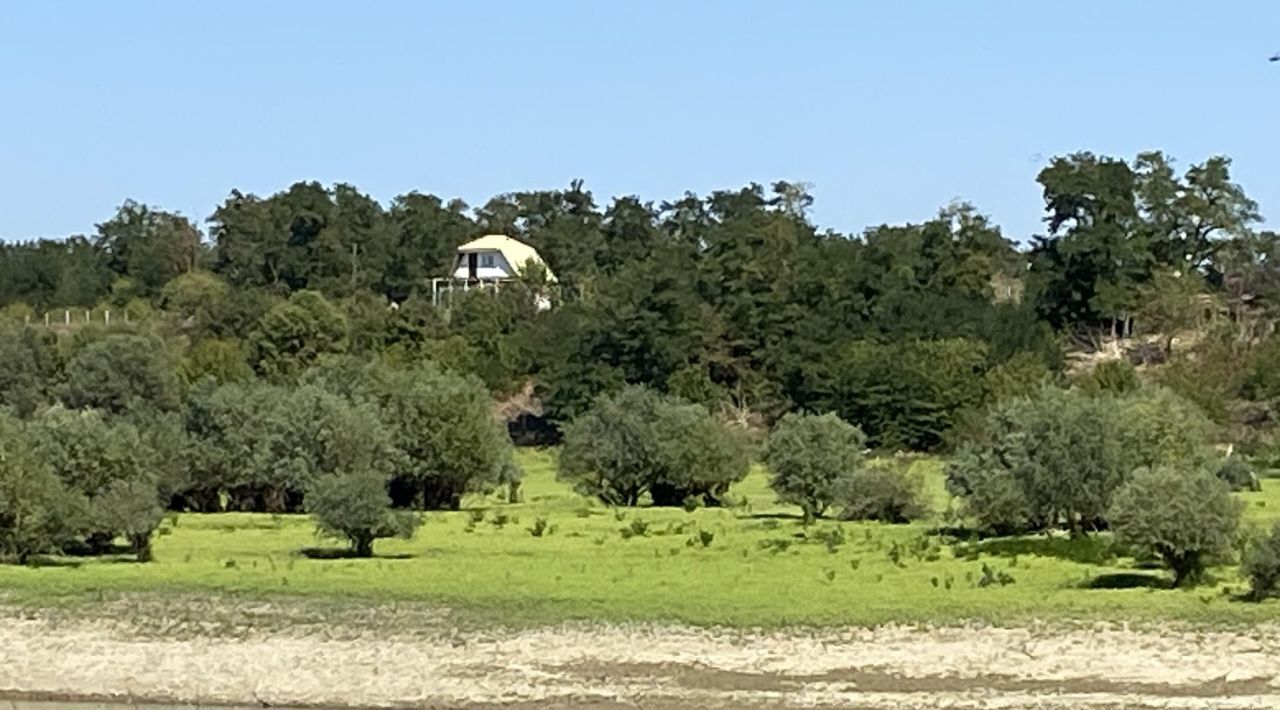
[[761, 568]]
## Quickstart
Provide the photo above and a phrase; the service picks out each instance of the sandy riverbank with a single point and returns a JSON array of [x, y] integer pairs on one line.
[[650, 667]]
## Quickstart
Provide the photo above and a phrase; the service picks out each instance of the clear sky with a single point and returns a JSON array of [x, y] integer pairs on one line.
[[890, 109]]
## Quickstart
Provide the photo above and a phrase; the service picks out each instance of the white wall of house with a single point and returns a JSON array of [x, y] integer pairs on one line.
[[490, 266]]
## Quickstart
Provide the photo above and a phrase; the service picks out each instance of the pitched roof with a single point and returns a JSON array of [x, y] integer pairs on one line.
[[516, 252]]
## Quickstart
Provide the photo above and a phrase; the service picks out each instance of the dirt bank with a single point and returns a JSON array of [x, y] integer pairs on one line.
[[650, 667]]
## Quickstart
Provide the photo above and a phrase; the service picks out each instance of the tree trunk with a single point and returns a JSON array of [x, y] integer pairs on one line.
[[362, 544]]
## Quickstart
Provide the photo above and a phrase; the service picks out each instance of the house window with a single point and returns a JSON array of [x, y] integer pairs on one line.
[[486, 261]]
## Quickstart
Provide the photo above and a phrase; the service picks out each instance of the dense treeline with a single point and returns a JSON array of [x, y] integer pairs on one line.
[[297, 351]]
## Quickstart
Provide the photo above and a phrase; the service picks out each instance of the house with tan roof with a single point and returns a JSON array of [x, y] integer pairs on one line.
[[494, 258]]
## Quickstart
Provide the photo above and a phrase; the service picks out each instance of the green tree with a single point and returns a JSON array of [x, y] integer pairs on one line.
[[291, 336], [121, 372], [812, 458], [263, 446], [441, 428], [356, 507], [29, 367], [222, 359], [149, 246], [1184, 516], [1060, 450], [130, 508], [38, 514], [111, 465], [1262, 566], [638, 442]]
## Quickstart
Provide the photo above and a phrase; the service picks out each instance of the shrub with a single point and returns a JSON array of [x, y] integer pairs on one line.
[[889, 494], [1238, 474], [356, 507], [992, 494], [37, 512], [812, 457], [1262, 566], [1183, 516], [111, 465], [1157, 427], [1111, 376], [446, 441], [1057, 458], [264, 445], [639, 442], [130, 508]]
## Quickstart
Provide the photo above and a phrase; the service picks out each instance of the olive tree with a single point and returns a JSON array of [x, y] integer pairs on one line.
[[263, 445], [38, 513], [356, 507], [638, 442], [1056, 458], [112, 465], [1184, 516], [1262, 566], [812, 457], [446, 439]]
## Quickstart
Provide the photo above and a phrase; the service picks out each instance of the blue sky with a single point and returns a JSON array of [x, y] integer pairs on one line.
[[890, 109]]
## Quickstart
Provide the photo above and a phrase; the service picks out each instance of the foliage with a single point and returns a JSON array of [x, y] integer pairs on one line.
[[355, 506], [440, 425], [887, 493], [1262, 566], [221, 359], [1111, 376], [263, 445], [38, 513], [1060, 450], [1238, 474], [1184, 516], [293, 335], [130, 508], [639, 442], [29, 367], [121, 372], [814, 459]]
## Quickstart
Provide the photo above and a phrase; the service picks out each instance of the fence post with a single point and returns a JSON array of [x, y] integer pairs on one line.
[[66, 316], [106, 317], [46, 319]]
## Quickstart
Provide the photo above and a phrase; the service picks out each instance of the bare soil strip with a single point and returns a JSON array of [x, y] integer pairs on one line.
[[601, 667]]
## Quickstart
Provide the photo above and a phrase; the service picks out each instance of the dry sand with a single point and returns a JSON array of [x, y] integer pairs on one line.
[[641, 667]]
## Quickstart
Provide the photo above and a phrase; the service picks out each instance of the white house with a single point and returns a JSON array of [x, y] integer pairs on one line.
[[495, 257]]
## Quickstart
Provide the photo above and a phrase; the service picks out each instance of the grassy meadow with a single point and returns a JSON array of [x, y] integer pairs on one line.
[[752, 565]]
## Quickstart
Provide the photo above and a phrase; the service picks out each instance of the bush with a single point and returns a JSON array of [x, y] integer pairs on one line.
[[110, 464], [356, 507], [1238, 474], [38, 513], [639, 442], [1183, 516], [263, 446], [1060, 450], [121, 372], [1262, 566], [130, 508], [1111, 376], [1157, 427], [812, 458], [1056, 459], [884, 493]]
